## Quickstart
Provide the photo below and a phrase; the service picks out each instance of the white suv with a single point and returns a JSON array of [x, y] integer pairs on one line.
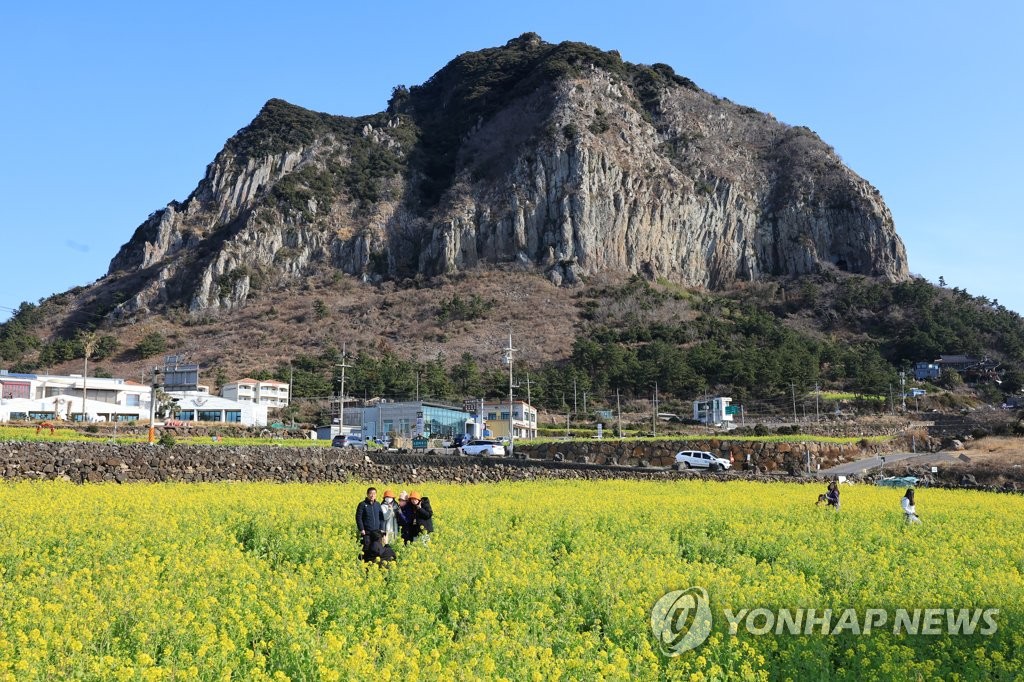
[[698, 459], [484, 447]]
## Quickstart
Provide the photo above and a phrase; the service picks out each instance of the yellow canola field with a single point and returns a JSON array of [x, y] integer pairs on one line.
[[542, 580]]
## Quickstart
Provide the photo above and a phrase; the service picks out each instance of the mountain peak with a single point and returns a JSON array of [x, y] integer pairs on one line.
[[561, 157]]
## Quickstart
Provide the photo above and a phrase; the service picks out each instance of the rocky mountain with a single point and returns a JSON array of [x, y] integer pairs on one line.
[[562, 158]]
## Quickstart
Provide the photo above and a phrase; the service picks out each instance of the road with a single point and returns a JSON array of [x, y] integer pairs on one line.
[[862, 465]]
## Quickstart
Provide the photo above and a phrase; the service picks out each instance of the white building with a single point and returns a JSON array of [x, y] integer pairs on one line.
[[524, 418], [46, 396], [201, 407], [42, 397], [272, 394], [716, 411]]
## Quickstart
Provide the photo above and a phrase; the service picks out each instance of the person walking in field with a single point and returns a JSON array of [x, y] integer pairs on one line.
[[369, 517], [421, 517], [389, 507], [909, 509]]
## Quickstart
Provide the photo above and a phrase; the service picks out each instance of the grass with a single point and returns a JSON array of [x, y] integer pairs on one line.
[[840, 395], [27, 434], [776, 438]]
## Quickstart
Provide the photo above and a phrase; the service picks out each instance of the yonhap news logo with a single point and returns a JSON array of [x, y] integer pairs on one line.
[[681, 620]]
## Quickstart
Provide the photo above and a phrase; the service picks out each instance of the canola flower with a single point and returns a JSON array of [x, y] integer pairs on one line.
[[544, 580]]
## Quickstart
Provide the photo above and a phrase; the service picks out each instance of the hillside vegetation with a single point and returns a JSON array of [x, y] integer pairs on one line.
[[761, 341]]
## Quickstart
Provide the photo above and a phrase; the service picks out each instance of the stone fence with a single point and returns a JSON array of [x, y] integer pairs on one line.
[[95, 462], [760, 456], [102, 462]]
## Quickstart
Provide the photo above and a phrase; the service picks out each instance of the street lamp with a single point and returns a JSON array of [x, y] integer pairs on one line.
[[152, 406]]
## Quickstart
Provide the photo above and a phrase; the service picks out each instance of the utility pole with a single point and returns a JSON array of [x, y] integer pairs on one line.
[[528, 401], [817, 414], [152, 406], [892, 401], [903, 389], [584, 402], [341, 398], [508, 358], [618, 408], [793, 389], [574, 395], [89, 342], [654, 421], [291, 398]]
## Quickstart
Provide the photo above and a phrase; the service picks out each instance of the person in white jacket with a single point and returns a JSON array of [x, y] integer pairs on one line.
[[389, 508], [909, 510]]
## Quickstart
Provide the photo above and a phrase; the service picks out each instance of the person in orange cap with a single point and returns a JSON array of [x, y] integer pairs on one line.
[[421, 517], [390, 510]]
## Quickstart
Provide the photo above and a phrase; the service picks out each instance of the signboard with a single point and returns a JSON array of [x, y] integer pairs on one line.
[[419, 423], [470, 406], [180, 377], [600, 431], [732, 409], [419, 443]]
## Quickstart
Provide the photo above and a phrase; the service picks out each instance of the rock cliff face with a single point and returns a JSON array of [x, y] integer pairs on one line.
[[562, 157]]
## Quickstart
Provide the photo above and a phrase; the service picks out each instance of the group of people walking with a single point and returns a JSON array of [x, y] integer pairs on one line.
[[408, 516], [830, 498]]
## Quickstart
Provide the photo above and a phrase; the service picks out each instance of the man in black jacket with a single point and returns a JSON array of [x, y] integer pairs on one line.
[[369, 517]]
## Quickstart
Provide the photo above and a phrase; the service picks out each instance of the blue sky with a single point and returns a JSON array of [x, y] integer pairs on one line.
[[111, 110]]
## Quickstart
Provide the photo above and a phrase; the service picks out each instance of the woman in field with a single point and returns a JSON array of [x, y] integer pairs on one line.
[[909, 510]]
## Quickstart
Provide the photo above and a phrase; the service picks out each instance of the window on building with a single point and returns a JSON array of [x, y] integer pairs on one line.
[[133, 400], [19, 416], [11, 390], [233, 416], [40, 415], [504, 416], [403, 427], [187, 415], [492, 415], [209, 415], [126, 417], [389, 425]]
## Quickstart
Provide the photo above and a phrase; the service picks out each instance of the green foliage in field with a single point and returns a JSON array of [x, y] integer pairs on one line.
[[555, 582]]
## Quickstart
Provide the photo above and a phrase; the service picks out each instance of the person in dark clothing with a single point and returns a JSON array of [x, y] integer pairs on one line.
[[832, 496], [404, 515], [376, 551], [421, 517], [369, 517]]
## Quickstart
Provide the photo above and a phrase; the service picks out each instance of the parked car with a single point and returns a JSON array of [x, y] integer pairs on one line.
[[350, 440], [458, 440], [484, 447], [698, 459]]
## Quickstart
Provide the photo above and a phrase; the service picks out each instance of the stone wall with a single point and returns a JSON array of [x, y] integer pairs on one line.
[[763, 456], [101, 462]]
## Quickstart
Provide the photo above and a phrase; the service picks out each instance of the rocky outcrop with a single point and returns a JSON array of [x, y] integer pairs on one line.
[[560, 157]]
